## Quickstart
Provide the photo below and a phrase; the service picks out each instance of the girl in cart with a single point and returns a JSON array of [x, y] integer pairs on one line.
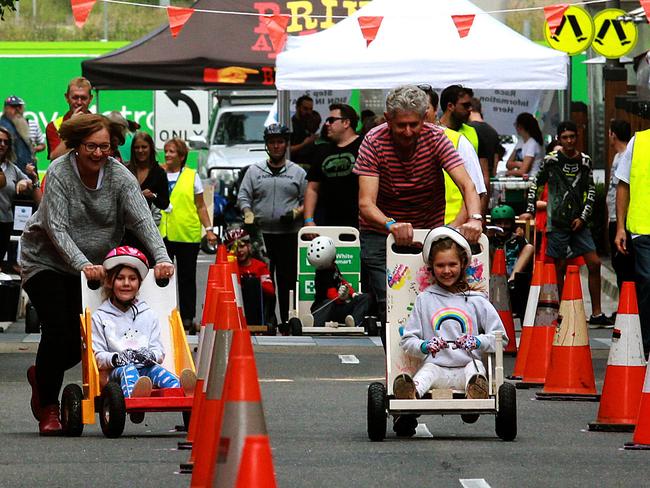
[[126, 332], [451, 325]]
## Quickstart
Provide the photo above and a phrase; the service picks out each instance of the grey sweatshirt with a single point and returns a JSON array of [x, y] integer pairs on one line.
[[75, 226], [440, 313], [114, 331], [270, 196], [13, 174]]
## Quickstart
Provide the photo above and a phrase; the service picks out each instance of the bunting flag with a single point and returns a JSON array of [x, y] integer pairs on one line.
[[277, 27], [463, 24], [554, 14], [177, 18], [646, 8], [81, 10], [369, 27]]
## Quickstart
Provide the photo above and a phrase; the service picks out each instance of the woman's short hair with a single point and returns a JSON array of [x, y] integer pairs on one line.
[[407, 98], [181, 148], [74, 130], [10, 155]]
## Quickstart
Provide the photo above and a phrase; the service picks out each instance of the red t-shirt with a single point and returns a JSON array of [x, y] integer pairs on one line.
[[260, 270], [413, 190], [52, 135]]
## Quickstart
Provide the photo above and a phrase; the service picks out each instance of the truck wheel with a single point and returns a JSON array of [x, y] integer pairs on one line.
[[112, 415], [377, 412], [506, 417], [71, 415]]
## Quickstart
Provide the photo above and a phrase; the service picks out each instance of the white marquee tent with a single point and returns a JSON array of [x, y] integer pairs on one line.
[[418, 43]]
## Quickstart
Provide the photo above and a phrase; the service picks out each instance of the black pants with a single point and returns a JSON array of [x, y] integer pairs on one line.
[[623, 264], [5, 238], [282, 250], [186, 254], [57, 299], [336, 312]]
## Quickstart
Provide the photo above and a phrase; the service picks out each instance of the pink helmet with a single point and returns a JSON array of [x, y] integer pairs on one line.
[[237, 234], [127, 256]]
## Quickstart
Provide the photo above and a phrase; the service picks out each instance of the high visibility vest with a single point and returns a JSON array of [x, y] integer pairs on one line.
[[637, 216], [58, 122], [453, 196], [471, 134], [182, 224]]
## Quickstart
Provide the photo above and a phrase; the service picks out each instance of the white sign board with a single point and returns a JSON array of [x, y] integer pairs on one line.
[[501, 107], [180, 114]]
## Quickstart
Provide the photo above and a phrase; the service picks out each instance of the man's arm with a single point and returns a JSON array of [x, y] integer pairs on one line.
[[368, 191], [622, 204], [311, 198]]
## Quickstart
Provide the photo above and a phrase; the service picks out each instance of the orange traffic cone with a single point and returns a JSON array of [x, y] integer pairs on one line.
[[528, 322], [641, 439], [621, 396], [500, 298], [570, 374], [243, 423], [541, 337]]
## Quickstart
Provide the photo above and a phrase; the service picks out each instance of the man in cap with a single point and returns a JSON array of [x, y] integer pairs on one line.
[[12, 119]]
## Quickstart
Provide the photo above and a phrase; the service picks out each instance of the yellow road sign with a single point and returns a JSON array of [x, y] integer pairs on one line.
[[575, 32], [614, 38]]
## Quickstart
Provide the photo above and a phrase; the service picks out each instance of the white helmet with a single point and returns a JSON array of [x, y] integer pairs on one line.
[[321, 252], [444, 232]]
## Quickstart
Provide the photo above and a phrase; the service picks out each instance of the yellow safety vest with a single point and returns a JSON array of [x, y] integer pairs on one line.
[[58, 122], [453, 196], [471, 134], [182, 224], [637, 213]]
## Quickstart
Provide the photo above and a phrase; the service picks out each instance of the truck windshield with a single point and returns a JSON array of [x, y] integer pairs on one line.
[[240, 128]]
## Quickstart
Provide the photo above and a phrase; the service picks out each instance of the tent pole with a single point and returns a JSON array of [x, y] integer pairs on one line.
[[283, 112], [569, 90]]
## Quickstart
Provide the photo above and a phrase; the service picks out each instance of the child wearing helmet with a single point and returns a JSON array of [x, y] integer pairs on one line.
[[126, 332], [335, 300], [449, 328]]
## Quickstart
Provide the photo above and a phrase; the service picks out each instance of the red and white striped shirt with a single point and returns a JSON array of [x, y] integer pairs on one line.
[[413, 190]]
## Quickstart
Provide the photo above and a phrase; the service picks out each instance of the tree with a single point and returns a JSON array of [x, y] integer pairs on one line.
[[6, 4]]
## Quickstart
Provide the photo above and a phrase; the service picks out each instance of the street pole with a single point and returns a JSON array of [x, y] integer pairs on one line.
[[105, 12], [569, 91]]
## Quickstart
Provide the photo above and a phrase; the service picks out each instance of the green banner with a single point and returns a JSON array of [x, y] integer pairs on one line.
[[348, 259], [308, 285]]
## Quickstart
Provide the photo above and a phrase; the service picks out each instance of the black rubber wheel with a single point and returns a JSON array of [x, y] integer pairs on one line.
[[295, 326], [370, 326], [271, 329], [32, 322], [112, 415], [469, 418], [136, 417], [206, 247], [71, 416], [377, 414], [506, 417], [187, 417]]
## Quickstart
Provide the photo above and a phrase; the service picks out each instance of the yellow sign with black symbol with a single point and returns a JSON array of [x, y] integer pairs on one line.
[[575, 32], [614, 38]]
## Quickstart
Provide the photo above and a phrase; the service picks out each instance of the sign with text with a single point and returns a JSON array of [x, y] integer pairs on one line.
[[501, 107], [180, 114]]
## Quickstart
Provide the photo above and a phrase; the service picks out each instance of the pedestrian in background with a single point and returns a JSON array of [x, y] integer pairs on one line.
[[12, 119]]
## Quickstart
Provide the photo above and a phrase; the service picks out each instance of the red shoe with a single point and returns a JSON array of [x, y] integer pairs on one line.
[[35, 401], [50, 424]]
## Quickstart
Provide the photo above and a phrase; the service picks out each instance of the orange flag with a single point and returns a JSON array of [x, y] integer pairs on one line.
[[177, 18], [463, 23], [646, 8], [369, 27], [554, 14], [81, 10], [277, 27]]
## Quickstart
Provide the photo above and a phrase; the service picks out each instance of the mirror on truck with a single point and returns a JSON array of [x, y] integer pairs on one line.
[[198, 142]]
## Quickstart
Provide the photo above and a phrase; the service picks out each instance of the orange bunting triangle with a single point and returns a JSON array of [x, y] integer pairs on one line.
[[463, 24], [81, 10], [554, 14], [369, 27], [277, 27], [177, 18], [646, 8]]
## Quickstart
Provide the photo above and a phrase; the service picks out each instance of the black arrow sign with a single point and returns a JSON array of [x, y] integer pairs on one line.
[[176, 97]]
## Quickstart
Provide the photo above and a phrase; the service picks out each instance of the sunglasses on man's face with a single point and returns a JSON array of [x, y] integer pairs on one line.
[[331, 120], [466, 105]]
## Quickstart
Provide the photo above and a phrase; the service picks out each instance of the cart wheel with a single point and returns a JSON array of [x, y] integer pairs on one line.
[[32, 322], [187, 416], [377, 412], [112, 415], [506, 417], [295, 326], [206, 247], [71, 417], [136, 417], [469, 418], [370, 326]]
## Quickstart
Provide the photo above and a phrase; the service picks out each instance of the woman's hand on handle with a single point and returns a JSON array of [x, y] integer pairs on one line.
[[163, 270]]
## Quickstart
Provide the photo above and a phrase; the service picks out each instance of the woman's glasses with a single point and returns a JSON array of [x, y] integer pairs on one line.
[[92, 147]]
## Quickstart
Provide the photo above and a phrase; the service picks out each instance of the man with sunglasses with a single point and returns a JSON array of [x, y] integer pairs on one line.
[[332, 195]]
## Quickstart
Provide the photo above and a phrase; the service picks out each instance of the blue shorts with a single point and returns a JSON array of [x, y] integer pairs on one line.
[[559, 242]]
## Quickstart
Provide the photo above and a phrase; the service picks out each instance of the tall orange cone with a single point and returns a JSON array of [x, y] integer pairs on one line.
[[570, 374], [243, 424], [543, 330], [641, 439], [626, 367], [528, 322], [500, 298]]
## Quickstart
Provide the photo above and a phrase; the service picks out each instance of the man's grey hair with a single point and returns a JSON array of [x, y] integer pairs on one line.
[[406, 98]]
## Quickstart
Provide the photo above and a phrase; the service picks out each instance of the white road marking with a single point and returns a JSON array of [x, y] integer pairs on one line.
[[276, 380], [348, 359], [474, 483], [352, 380]]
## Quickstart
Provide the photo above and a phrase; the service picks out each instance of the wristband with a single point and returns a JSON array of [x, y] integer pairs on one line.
[[309, 220], [478, 343], [209, 229], [423, 347], [388, 223]]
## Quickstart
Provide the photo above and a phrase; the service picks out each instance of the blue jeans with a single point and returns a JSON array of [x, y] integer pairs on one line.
[[641, 246], [373, 259], [127, 376]]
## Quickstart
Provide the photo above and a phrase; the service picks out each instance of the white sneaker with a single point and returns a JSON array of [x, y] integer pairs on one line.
[[142, 387], [349, 321]]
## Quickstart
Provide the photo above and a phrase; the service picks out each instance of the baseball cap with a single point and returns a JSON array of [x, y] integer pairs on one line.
[[14, 101]]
